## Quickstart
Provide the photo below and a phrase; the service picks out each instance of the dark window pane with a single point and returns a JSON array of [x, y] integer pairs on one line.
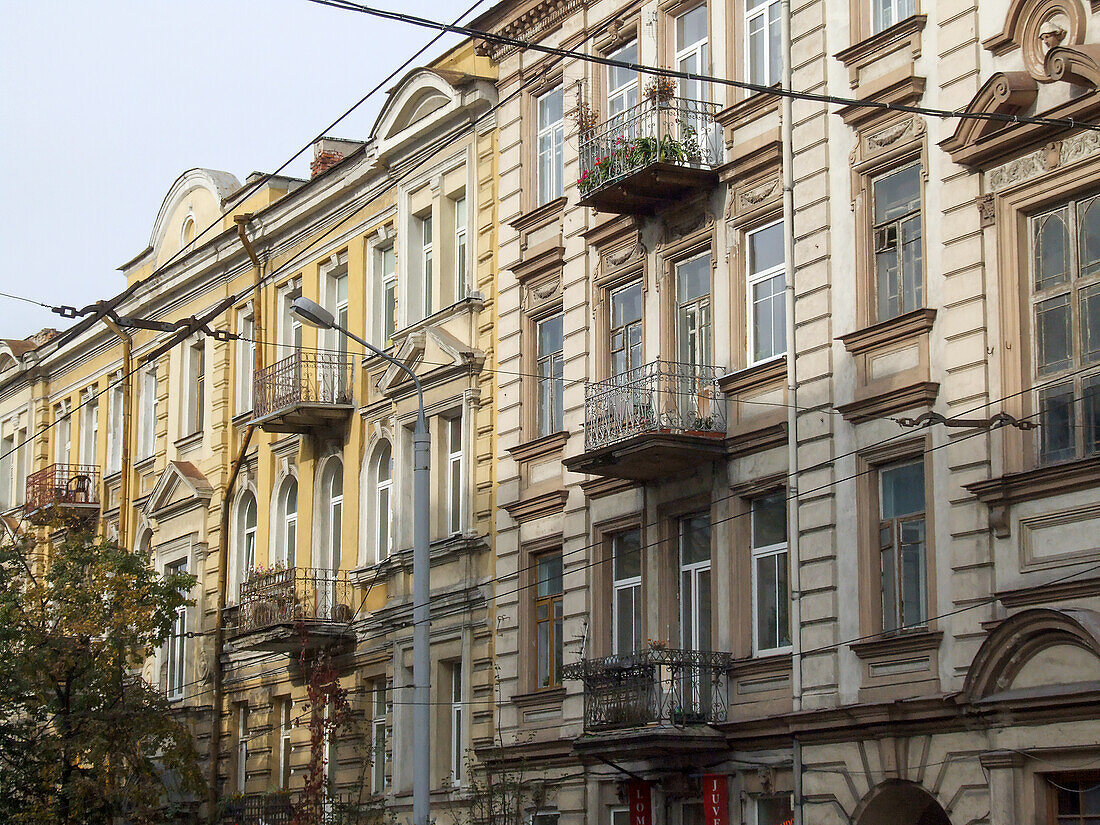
[[1052, 334], [549, 575], [897, 194], [550, 335], [693, 278], [769, 519], [1056, 424], [626, 305], [902, 490], [1090, 323], [1088, 231], [765, 248], [1090, 417], [1051, 250], [627, 548], [694, 539]]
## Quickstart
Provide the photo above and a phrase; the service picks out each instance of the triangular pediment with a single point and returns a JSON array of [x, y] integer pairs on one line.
[[436, 349], [180, 487]]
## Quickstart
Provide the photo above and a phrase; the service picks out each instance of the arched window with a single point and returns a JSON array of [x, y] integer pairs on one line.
[[331, 507], [245, 540], [285, 534], [187, 231], [383, 503]]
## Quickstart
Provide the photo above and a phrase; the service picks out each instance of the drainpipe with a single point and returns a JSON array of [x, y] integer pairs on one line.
[[223, 540], [127, 394], [792, 399]]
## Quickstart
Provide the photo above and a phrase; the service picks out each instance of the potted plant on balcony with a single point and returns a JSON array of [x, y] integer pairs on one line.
[[660, 89]]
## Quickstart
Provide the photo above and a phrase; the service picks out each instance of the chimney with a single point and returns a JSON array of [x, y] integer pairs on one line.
[[43, 336], [329, 151]]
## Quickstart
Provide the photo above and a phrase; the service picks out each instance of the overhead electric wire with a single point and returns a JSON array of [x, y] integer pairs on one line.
[[675, 74]]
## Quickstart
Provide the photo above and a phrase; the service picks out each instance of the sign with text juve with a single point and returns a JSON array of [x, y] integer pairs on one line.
[[641, 805], [716, 807]]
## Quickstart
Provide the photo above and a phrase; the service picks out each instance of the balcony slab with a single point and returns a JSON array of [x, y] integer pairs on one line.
[[305, 417], [649, 189], [650, 455]]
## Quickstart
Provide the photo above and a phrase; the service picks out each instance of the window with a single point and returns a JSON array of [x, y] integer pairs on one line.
[[765, 291], [242, 745], [177, 650], [286, 523], [63, 435], [550, 411], [245, 533], [898, 244], [187, 231], [550, 139], [7, 479], [548, 619], [286, 725], [626, 328], [454, 474], [626, 598], [622, 85], [383, 502], [693, 310], [1065, 278], [337, 300], [115, 403], [195, 387], [387, 291], [21, 465], [246, 361], [771, 616], [763, 57], [1075, 799], [694, 535], [89, 429], [461, 251], [147, 437], [902, 545], [619, 816], [332, 505], [889, 12], [457, 748], [774, 810], [426, 261], [290, 328], [378, 737], [691, 52]]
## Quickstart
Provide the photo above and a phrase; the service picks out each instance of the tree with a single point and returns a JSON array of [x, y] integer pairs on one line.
[[82, 738]]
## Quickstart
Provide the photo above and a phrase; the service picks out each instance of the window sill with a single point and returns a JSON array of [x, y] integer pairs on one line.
[[537, 506], [146, 463], [243, 419], [902, 35], [540, 697], [540, 447], [539, 216], [188, 441], [901, 642]]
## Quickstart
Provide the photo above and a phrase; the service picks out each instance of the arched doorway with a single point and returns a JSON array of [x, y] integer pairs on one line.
[[901, 803]]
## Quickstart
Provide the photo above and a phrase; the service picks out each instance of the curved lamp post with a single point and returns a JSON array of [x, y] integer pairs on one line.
[[312, 313]]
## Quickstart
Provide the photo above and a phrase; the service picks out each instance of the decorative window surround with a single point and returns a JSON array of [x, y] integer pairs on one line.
[[904, 35], [892, 366], [538, 226], [999, 494], [899, 662], [757, 416]]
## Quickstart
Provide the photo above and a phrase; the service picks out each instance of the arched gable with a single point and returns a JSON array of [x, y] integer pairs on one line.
[[1036, 648], [196, 195]]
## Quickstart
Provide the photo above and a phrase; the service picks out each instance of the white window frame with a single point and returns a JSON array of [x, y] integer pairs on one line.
[[246, 360], [7, 471], [386, 261], [458, 733], [378, 737], [631, 585], [551, 188], [21, 465], [383, 502], [691, 636], [89, 428], [332, 515], [290, 328], [286, 745], [751, 280], [549, 368], [762, 11], [63, 444], [148, 418], [461, 250], [886, 13], [244, 544], [176, 645], [427, 260], [115, 403], [700, 50], [337, 304], [455, 475], [242, 746], [759, 554], [286, 532], [195, 388], [694, 317], [625, 96]]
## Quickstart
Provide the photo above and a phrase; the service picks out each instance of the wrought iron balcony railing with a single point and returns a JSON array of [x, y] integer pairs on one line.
[[286, 807], [653, 687], [674, 130], [297, 594], [303, 378], [63, 486], [659, 397]]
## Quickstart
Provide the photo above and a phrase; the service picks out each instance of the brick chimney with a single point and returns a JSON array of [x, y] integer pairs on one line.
[[329, 151]]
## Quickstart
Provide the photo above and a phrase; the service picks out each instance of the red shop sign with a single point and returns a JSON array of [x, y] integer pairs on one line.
[[716, 807], [641, 805]]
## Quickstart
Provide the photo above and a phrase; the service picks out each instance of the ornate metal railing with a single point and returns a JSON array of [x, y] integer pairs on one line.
[[675, 130], [662, 396], [285, 807], [296, 594], [653, 687], [62, 484], [313, 378]]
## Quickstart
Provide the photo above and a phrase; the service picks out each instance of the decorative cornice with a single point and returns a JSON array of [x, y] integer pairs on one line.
[[534, 507], [1079, 66], [909, 325], [540, 447], [606, 486], [903, 92], [910, 642], [754, 377], [1044, 594], [890, 400], [1043, 482], [896, 37], [531, 25]]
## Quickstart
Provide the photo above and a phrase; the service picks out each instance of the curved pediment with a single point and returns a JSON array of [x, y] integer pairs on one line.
[[1005, 94], [1038, 649], [1078, 65]]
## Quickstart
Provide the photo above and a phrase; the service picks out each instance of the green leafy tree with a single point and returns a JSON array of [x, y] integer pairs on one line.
[[82, 738]]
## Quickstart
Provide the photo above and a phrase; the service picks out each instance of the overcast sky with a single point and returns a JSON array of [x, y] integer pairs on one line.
[[103, 104]]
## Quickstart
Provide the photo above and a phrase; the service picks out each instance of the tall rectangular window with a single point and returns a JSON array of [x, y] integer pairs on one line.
[[626, 598], [290, 328], [336, 300], [550, 139], [89, 429], [692, 54], [246, 361], [458, 749], [454, 474], [1065, 284], [550, 411], [177, 642], [21, 465], [195, 388], [286, 726], [147, 419], [889, 12], [766, 279], [902, 545], [63, 445], [626, 328], [7, 478], [1074, 798], [898, 242], [242, 746], [461, 251], [378, 737], [388, 309], [115, 402], [693, 310], [695, 618], [622, 86], [763, 56], [548, 619], [426, 261], [770, 596]]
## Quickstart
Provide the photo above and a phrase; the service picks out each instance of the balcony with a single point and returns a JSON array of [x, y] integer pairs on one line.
[[287, 807], [650, 155], [286, 610], [652, 421], [304, 392], [63, 492], [657, 698]]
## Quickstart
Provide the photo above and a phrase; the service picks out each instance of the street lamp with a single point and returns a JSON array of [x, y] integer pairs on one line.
[[309, 312]]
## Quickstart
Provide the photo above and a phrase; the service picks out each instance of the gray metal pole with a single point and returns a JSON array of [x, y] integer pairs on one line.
[[422, 663]]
